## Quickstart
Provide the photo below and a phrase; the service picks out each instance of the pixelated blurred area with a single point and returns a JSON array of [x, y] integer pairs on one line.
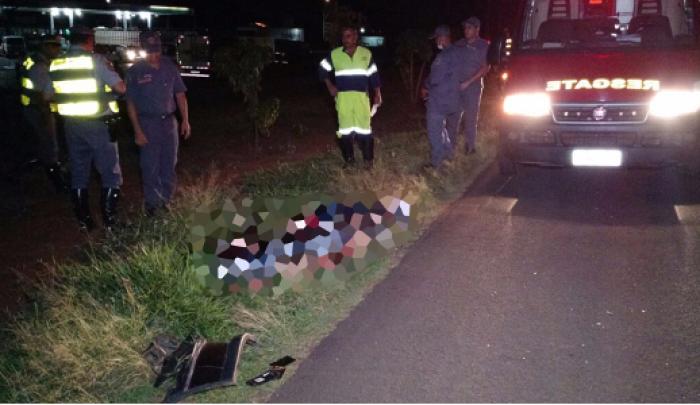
[[270, 246]]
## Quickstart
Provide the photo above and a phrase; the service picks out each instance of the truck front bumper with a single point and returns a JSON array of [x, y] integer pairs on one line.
[[649, 144]]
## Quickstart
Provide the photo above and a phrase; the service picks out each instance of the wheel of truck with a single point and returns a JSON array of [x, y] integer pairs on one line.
[[506, 165]]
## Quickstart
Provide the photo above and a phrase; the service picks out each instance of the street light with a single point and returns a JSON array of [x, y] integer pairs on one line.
[[146, 16]]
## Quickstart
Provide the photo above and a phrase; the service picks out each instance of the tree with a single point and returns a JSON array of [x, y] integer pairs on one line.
[[242, 65], [335, 17], [413, 53]]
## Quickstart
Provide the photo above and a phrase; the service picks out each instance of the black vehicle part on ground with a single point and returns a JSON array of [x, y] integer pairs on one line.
[[275, 372], [211, 365]]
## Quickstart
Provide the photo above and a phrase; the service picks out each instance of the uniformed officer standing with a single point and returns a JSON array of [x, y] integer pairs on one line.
[[441, 90], [154, 90], [36, 92], [355, 75], [84, 84], [471, 89]]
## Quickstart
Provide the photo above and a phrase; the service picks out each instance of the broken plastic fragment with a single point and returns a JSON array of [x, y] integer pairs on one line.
[[275, 372]]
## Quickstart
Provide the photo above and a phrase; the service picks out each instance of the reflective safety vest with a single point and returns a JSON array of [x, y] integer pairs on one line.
[[356, 73], [78, 93], [28, 94]]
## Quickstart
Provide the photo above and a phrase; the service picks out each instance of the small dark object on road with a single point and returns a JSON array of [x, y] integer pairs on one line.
[[275, 372]]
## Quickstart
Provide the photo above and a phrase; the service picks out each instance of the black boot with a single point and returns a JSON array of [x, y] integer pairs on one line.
[[109, 203], [366, 144], [81, 206], [57, 177], [347, 149]]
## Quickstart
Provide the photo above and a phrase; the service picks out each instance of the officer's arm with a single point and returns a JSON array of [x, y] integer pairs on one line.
[[182, 106], [119, 88], [139, 136], [375, 82], [105, 70], [325, 70], [331, 87]]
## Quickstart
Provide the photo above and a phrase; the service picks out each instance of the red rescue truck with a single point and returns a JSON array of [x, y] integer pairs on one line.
[[601, 83]]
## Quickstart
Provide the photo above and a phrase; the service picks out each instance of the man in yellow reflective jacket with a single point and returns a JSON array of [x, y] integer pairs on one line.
[[36, 92], [356, 75], [84, 84]]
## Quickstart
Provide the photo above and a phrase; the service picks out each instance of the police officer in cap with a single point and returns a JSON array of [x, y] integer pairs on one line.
[[85, 85], [154, 91], [36, 92], [440, 90], [477, 67]]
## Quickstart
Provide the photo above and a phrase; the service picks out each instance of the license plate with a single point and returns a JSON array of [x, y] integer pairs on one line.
[[194, 71], [596, 158]]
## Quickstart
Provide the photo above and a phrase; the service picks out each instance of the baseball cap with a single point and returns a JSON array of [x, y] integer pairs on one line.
[[150, 41], [473, 21], [441, 31]]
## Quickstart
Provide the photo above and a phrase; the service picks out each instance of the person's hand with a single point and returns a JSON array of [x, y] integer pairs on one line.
[[378, 99], [185, 129], [140, 138], [333, 90], [424, 93]]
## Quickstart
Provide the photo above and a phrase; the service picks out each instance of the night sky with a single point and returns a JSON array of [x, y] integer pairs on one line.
[[388, 17]]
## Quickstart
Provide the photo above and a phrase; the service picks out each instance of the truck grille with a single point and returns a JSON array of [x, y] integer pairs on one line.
[[598, 139], [600, 113]]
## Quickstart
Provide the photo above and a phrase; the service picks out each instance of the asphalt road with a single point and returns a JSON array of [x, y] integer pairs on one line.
[[555, 286]]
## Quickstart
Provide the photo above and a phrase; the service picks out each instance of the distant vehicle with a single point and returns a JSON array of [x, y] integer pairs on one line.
[[604, 83], [13, 47], [189, 50], [192, 53]]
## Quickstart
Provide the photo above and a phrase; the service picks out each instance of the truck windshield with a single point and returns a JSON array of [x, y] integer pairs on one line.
[[553, 24]]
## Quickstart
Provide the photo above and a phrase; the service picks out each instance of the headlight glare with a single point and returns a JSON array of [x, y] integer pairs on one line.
[[528, 104], [674, 103]]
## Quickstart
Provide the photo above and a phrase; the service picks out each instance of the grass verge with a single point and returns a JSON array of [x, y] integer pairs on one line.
[[83, 338]]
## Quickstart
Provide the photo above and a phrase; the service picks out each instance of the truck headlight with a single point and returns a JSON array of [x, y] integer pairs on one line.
[[528, 104], [142, 54], [674, 103], [131, 54]]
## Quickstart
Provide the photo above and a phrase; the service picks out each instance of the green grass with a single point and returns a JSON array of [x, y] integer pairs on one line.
[[83, 339]]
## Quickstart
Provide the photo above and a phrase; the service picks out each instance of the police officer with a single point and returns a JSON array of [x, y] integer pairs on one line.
[[477, 67], [441, 91], [154, 90], [355, 75], [36, 92], [85, 84]]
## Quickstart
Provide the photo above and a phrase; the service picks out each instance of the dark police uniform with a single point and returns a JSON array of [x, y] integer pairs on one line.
[[85, 108], [444, 108], [37, 89], [470, 99], [152, 91]]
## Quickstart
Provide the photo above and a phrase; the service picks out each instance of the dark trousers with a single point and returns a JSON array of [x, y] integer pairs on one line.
[[471, 103], [89, 142], [364, 142], [42, 125], [442, 128], [158, 159]]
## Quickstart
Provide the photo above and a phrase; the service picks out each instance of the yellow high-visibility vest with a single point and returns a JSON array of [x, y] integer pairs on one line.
[[77, 91], [28, 94]]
